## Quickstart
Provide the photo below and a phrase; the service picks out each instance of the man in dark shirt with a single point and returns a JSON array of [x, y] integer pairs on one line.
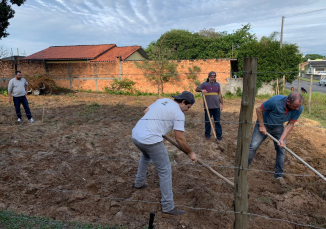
[[212, 92]]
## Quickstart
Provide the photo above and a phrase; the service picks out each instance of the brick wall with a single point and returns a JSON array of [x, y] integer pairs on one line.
[[96, 76]]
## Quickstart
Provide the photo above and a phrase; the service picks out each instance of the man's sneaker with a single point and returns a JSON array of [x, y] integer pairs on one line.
[[219, 138], [281, 181], [174, 211], [31, 120], [208, 137], [19, 120], [143, 186]]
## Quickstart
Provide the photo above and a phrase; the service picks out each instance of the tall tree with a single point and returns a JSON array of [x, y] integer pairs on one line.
[[205, 44], [6, 13], [273, 61]]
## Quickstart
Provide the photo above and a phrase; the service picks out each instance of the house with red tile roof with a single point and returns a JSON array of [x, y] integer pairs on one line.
[[88, 53]]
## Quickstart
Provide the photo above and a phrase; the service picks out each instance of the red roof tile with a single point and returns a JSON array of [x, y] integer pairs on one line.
[[123, 52], [70, 52]]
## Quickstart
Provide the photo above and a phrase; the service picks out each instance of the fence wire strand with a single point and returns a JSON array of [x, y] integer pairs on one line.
[[155, 202]]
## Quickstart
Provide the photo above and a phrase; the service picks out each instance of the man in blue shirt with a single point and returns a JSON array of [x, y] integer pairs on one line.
[[271, 115]]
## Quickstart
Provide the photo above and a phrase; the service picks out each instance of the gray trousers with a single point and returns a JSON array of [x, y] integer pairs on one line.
[[160, 157]]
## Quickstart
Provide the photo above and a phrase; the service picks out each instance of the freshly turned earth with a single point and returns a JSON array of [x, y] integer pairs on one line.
[[84, 146]]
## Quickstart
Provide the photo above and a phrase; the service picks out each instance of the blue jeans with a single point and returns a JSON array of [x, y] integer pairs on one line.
[[160, 157], [216, 114], [22, 100], [258, 138]]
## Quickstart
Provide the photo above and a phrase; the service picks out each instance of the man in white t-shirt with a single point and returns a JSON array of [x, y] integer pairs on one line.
[[159, 119], [17, 89]]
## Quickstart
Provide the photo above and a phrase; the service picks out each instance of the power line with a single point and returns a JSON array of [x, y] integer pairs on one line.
[[306, 12]]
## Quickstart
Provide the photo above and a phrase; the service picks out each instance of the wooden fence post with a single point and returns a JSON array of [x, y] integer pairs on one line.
[[244, 137], [299, 78], [311, 79]]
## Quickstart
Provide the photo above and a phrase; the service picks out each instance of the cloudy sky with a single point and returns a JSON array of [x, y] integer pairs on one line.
[[39, 24]]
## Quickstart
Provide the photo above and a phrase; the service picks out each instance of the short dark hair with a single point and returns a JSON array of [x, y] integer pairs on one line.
[[295, 96], [18, 72], [180, 101]]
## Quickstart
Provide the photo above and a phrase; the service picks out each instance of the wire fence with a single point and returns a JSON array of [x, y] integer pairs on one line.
[[154, 202], [173, 163], [132, 160], [145, 119]]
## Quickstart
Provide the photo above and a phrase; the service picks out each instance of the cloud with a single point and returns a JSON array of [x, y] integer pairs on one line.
[[39, 24]]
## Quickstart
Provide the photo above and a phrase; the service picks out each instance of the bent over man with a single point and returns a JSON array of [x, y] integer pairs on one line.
[[212, 92], [159, 119], [271, 115], [18, 88]]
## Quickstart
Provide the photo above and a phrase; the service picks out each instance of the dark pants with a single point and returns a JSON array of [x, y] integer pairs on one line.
[[22, 100], [216, 114], [258, 138]]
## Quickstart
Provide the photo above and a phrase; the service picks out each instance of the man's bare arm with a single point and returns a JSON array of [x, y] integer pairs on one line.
[[179, 137], [259, 112]]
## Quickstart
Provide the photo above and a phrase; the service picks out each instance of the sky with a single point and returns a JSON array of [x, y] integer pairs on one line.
[[39, 24]]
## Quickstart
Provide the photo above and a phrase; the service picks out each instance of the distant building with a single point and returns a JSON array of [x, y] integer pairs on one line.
[[88, 53]]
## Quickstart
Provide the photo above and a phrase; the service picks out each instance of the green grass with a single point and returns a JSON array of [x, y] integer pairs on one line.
[[318, 107], [3, 91], [12, 220], [308, 80]]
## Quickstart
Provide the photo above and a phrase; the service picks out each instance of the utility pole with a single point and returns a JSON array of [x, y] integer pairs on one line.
[[282, 32], [281, 42]]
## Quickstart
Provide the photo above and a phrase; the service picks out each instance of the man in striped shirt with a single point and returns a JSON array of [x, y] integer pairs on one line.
[[212, 92]]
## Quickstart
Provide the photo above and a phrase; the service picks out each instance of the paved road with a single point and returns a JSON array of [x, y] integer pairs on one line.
[[306, 85]]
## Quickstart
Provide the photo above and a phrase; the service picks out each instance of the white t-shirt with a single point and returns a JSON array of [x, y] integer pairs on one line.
[[163, 116]]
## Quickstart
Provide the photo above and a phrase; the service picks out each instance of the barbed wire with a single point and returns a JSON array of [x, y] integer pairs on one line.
[[147, 119], [155, 202], [179, 73], [175, 163]]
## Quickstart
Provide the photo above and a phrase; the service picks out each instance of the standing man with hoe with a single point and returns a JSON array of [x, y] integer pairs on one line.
[[213, 95], [159, 119], [18, 88]]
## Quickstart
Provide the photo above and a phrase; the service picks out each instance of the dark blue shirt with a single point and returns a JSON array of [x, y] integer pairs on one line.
[[275, 111]]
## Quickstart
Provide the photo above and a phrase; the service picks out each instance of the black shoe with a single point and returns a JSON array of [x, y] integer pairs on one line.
[[141, 187], [219, 138], [208, 137], [175, 211]]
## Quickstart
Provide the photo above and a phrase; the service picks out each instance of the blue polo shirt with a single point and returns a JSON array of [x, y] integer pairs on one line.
[[275, 111]]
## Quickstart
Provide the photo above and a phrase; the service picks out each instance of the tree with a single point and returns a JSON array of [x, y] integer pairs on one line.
[[273, 61], [313, 57], [205, 44], [6, 13], [159, 70]]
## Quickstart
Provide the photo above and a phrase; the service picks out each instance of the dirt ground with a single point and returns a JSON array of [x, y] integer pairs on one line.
[[79, 164]]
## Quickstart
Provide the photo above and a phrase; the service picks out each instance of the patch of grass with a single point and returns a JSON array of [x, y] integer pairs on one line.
[[11, 220], [318, 107], [92, 108], [3, 91], [265, 199], [308, 80]]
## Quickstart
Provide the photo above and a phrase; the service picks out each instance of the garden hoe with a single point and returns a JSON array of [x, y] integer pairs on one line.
[[210, 119], [200, 162]]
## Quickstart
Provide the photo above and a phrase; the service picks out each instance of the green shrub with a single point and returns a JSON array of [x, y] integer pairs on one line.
[[3, 91]]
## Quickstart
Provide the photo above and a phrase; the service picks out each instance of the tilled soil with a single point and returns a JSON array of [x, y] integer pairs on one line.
[[79, 164]]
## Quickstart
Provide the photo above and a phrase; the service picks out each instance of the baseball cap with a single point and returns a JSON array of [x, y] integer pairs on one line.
[[185, 95], [211, 74]]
